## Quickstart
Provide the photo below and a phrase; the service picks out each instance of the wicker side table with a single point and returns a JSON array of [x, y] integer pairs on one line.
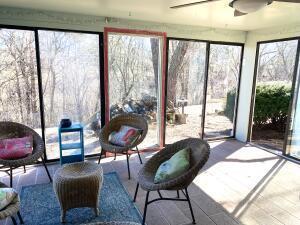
[[78, 185]]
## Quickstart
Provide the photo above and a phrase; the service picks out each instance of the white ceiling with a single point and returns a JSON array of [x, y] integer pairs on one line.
[[215, 14]]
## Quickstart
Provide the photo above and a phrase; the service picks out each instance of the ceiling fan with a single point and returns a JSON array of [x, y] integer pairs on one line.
[[242, 7]]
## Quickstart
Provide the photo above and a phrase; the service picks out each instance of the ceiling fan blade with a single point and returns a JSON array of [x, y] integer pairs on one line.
[[192, 3], [238, 13], [290, 1]]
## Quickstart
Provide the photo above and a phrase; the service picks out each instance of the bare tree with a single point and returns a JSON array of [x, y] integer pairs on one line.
[[175, 66], [276, 61], [18, 72], [155, 58]]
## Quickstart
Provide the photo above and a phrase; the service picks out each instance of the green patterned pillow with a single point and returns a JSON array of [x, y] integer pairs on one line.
[[174, 167], [6, 196]]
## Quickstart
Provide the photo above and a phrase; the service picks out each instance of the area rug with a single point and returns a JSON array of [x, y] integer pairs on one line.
[[40, 206]]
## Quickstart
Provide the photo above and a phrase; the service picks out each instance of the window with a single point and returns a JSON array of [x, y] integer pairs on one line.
[[185, 89], [222, 90], [19, 95], [275, 67], [71, 86]]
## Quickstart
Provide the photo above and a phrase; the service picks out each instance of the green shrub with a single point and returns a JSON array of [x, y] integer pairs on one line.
[[230, 104], [271, 105]]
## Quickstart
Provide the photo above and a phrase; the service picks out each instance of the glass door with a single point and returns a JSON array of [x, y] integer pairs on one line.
[[222, 90], [293, 142], [185, 89], [274, 80], [134, 78]]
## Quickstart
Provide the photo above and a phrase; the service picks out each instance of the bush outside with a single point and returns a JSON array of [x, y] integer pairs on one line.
[[271, 106], [230, 104]]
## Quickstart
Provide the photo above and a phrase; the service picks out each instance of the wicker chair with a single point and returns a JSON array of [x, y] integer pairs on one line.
[[199, 156], [12, 209], [133, 120], [13, 130]]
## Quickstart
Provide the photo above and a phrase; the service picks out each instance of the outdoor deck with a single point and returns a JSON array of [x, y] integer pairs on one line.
[[240, 184]]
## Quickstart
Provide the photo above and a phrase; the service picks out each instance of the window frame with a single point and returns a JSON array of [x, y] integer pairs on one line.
[[253, 94], [162, 87], [208, 44], [39, 74]]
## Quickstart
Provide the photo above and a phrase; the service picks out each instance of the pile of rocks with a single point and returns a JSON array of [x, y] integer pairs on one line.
[[147, 107]]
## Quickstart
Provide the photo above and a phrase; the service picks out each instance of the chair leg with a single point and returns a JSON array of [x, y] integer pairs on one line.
[[145, 208], [96, 211], [11, 176], [24, 168], [115, 155], [139, 155], [128, 168], [136, 191], [13, 220], [159, 194], [63, 216], [101, 155], [178, 194], [46, 168], [190, 205], [20, 217]]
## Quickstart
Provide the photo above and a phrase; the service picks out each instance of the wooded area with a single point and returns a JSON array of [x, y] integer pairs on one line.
[[68, 89], [18, 79]]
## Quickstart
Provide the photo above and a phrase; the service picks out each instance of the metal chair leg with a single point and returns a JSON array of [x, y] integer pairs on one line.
[[13, 220], [136, 191], [24, 168], [159, 194], [100, 155], [11, 176], [20, 217], [178, 196], [46, 168], [115, 155], [139, 155], [63, 216], [128, 168], [190, 205], [145, 208]]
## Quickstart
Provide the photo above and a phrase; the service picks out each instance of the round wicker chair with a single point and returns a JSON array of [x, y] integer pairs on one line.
[[14, 130], [12, 209], [133, 120], [199, 156]]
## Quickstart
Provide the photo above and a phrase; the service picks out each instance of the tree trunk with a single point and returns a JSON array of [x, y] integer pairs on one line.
[[27, 103], [18, 90], [52, 92], [175, 63], [155, 51]]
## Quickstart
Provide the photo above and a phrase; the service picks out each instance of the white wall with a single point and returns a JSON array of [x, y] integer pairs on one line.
[[252, 38]]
